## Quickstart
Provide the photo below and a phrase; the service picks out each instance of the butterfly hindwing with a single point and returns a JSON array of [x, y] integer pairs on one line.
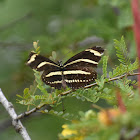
[[74, 78], [80, 77], [52, 78]]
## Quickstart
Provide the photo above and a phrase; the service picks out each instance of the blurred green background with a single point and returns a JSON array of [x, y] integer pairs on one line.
[[65, 27]]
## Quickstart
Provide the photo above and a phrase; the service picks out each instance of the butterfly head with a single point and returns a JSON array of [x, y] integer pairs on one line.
[[60, 63]]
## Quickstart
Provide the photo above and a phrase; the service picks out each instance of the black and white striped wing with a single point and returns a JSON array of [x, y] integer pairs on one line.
[[72, 78], [81, 67], [41, 63], [53, 78], [88, 58], [79, 77]]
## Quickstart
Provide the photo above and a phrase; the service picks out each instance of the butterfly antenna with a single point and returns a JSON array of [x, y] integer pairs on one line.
[[65, 55]]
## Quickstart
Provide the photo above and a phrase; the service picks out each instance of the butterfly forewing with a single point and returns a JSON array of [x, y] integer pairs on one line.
[[88, 58], [40, 63]]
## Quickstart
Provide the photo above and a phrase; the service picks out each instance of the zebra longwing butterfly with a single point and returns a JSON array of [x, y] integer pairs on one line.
[[77, 72]]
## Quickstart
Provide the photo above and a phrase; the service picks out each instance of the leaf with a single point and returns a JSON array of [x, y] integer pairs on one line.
[[19, 96], [40, 84], [105, 59], [54, 55], [134, 66], [26, 90], [121, 51], [26, 93]]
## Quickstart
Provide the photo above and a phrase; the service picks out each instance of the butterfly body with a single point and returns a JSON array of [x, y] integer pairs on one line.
[[77, 72]]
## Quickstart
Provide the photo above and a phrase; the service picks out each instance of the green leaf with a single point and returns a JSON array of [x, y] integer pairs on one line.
[[134, 66], [26, 93], [26, 90], [105, 59], [54, 55], [121, 51], [19, 96]]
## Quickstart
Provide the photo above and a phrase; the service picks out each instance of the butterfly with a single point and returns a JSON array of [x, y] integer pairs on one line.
[[76, 72]]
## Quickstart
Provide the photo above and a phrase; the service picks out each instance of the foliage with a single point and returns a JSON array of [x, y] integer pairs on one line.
[[105, 59], [100, 91], [121, 52]]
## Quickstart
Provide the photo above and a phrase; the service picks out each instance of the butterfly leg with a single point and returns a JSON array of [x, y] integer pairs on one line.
[[63, 82]]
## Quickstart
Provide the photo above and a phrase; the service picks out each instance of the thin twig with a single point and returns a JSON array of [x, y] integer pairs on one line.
[[27, 113], [15, 122], [97, 107]]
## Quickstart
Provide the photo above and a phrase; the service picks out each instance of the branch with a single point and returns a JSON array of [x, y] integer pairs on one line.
[[7, 123], [134, 133], [27, 113], [15, 122]]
